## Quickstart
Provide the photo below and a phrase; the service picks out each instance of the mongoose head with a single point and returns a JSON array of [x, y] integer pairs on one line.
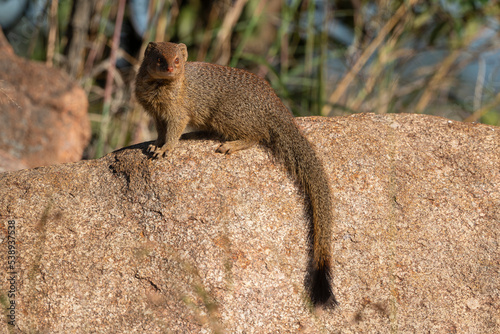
[[165, 61]]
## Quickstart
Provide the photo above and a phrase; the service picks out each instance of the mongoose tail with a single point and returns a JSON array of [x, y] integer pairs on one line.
[[289, 145]]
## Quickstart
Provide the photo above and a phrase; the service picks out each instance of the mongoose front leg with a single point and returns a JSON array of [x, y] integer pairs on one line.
[[233, 146], [161, 128], [169, 132]]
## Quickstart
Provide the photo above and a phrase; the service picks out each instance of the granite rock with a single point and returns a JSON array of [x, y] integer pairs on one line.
[[43, 113], [200, 242]]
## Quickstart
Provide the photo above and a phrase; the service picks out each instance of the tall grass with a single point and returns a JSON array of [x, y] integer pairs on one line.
[[404, 56]]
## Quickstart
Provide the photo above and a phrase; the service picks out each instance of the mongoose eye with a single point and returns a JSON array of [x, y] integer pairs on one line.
[[176, 60]]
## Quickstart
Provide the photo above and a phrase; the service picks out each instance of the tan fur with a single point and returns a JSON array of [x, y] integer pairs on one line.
[[244, 110]]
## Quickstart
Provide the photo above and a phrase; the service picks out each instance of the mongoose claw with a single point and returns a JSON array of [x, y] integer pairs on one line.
[[151, 148]]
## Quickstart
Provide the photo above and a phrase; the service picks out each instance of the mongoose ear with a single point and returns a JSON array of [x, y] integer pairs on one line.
[[184, 51], [150, 47]]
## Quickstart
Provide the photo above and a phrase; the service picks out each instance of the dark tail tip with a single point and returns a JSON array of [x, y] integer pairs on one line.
[[321, 288]]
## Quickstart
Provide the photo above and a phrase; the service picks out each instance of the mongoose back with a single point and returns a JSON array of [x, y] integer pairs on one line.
[[243, 109]]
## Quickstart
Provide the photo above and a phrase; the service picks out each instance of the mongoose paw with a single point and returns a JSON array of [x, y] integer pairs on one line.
[[234, 146], [223, 149], [158, 152]]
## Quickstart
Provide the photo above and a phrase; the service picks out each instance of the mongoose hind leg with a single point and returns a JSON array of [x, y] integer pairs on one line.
[[233, 146]]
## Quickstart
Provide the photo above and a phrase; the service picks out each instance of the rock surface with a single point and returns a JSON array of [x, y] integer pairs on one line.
[[43, 114], [200, 242]]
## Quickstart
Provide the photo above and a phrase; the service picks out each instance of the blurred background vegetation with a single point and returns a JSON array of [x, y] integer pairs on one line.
[[330, 58]]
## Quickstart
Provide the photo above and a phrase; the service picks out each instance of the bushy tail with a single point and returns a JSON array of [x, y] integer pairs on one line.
[[290, 146]]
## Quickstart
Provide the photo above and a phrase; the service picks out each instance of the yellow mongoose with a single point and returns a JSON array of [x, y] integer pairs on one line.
[[243, 109]]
